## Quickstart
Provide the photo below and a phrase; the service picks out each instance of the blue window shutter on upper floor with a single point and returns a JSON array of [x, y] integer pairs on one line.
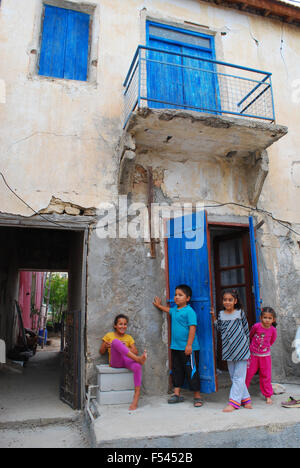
[[77, 46], [53, 47], [65, 43]]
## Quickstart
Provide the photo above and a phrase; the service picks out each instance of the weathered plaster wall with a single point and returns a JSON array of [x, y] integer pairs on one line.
[[279, 266], [123, 279], [63, 134], [58, 139]]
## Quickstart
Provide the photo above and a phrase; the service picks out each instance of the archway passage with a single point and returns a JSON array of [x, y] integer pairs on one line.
[[51, 250]]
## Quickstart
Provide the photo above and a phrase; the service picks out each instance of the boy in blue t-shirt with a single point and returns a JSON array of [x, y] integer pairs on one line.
[[184, 344]]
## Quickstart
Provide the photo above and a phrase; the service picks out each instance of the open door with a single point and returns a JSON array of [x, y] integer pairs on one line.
[[188, 263], [72, 365], [256, 286]]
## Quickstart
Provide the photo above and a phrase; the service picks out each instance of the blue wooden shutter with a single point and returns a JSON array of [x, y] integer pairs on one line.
[[256, 288], [190, 266], [53, 46], [77, 46], [65, 43]]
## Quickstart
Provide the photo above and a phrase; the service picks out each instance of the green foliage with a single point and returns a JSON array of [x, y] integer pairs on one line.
[[58, 296]]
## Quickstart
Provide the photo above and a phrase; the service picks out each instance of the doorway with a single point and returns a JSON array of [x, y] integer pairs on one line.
[[211, 257], [180, 69], [231, 269], [47, 250]]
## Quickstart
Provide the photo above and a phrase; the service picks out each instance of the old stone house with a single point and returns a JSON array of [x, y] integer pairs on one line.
[[109, 108]]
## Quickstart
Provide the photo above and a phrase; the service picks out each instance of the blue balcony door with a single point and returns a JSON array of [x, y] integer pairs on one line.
[[174, 78], [188, 263]]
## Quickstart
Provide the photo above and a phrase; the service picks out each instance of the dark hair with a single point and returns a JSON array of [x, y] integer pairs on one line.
[[234, 293], [186, 289], [269, 310], [120, 316]]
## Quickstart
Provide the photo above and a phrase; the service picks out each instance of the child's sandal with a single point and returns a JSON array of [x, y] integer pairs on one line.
[[198, 403], [175, 399]]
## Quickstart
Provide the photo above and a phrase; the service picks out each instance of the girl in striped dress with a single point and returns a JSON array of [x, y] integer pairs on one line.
[[233, 326]]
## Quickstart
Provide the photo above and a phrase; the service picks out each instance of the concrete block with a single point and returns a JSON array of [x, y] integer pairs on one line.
[[116, 386], [111, 379], [108, 382], [115, 397]]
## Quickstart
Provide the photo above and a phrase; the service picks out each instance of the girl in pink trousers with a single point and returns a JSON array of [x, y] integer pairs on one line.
[[262, 336]]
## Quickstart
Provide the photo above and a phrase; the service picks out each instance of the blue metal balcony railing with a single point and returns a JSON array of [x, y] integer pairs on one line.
[[165, 79]]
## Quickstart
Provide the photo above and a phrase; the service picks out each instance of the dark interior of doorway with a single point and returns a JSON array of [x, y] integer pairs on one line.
[[41, 249], [231, 269]]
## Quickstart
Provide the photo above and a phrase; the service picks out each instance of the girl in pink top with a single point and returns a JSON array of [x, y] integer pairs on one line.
[[262, 336]]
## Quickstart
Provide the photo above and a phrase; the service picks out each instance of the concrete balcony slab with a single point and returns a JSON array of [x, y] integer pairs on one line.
[[179, 134]]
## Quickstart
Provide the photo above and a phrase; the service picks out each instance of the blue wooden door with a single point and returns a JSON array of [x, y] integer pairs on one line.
[[188, 264], [200, 83], [175, 79], [65, 44], [164, 71], [256, 286]]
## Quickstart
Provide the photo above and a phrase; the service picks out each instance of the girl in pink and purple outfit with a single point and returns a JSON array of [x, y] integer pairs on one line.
[[262, 336], [123, 353]]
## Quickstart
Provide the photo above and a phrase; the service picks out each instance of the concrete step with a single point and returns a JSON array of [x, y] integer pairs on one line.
[[156, 424]]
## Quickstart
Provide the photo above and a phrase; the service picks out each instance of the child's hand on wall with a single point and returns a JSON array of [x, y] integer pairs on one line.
[[157, 302]]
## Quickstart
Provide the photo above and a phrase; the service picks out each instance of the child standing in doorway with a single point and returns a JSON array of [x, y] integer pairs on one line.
[[184, 344], [123, 353], [262, 336], [233, 326]]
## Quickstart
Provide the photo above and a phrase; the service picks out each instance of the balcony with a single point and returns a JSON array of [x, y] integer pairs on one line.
[[165, 79], [177, 104]]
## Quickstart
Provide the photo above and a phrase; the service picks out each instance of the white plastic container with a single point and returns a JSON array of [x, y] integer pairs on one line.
[[2, 352]]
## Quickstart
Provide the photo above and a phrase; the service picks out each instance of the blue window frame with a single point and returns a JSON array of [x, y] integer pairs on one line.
[[178, 77], [65, 44]]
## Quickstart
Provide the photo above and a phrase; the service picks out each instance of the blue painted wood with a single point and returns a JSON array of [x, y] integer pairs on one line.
[[65, 43], [53, 45], [199, 86], [190, 266], [165, 82], [77, 46], [256, 287], [187, 84]]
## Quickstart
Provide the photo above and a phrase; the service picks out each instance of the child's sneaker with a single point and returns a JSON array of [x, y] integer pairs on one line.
[[291, 403]]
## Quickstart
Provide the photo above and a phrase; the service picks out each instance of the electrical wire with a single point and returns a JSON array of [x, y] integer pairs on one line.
[[28, 206], [259, 210], [216, 205]]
